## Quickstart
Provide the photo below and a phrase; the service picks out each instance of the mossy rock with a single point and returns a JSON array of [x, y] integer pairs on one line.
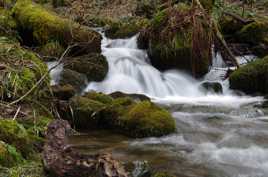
[[63, 92], [21, 72], [77, 80], [9, 155], [16, 135], [38, 26], [123, 115], [94, 66], [126, 28], [252, 78], [177, 43]]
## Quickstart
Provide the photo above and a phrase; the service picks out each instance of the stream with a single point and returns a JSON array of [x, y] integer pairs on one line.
[[218, 135]]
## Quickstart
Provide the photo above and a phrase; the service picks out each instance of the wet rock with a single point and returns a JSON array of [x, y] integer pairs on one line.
[[63, 92], [61, 160], [214, 87], [123, 115], [135, 97], [252, 78], [77, 80], [169, 38], [94, 66], [37, 26]]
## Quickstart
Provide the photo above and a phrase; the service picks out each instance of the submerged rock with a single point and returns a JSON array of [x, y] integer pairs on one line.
[[94, 66], [123, 115], [61, 160], [175, 41], [39, 26], [77, 80], [214, 87], [252, 78]]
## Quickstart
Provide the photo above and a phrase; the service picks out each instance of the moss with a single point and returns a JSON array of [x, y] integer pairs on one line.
[[105, 99], [16, 135], [9, 155], [174, 42], [146, 119], [253, 33], [7, 23], [122, 115], [52, 50], [94, 66], [23, 70], [252, 78], [162, 174], [39, 26]]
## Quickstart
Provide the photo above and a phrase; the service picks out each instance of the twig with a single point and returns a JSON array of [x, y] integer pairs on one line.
[[44, 76], [18, 110]]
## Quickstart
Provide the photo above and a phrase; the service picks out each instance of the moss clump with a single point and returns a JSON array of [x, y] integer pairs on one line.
[[39, 26], [254, 33], [94, 66], [135, 119], [7, 23], [174, 41], [16, 135], [9, 155], [252, 78], [22, 70], [52, 50]]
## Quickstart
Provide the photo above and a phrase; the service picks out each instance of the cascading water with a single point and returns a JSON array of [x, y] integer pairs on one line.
[[219, 135]]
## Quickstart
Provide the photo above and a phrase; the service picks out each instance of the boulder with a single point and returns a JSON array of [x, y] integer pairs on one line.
[[176, 42], [77, 80], [211, 87], [123, 115], [251, 78], [94, 66], [135, 97], [38, 26], [61, 160]]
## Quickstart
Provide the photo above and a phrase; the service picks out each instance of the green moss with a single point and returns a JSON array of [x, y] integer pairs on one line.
[[23, 70], [52, 50], [7, 23], [39, 26], [146, 119], [253, 33], [9, 155], [122, 115], [252, 78], [16, 135]]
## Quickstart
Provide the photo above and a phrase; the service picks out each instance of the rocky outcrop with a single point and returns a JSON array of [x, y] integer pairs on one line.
[[176, 41], [252, 78], [123, 115], [62, 160]]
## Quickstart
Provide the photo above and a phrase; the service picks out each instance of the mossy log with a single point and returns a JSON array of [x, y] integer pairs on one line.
[[38, 26]]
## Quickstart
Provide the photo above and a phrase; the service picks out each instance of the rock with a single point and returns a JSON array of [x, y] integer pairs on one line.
[[77, 80], [94, 66], [16, 135], [214, 87], [123, 115], [135, 97], [23, 70], [175, 43], [251, 78], [37, 26], [61, 160], [63, 92], [9, 155]]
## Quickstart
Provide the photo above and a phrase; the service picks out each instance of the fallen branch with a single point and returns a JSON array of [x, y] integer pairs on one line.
[[44, 76], [238, 18]]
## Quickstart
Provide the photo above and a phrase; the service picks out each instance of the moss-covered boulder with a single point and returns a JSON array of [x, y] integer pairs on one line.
[[77, 80], [176, 41], [16, 135], [252, 78], [94, 66], [21, 69], [9, 155], [37, 26], [123, 115]]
